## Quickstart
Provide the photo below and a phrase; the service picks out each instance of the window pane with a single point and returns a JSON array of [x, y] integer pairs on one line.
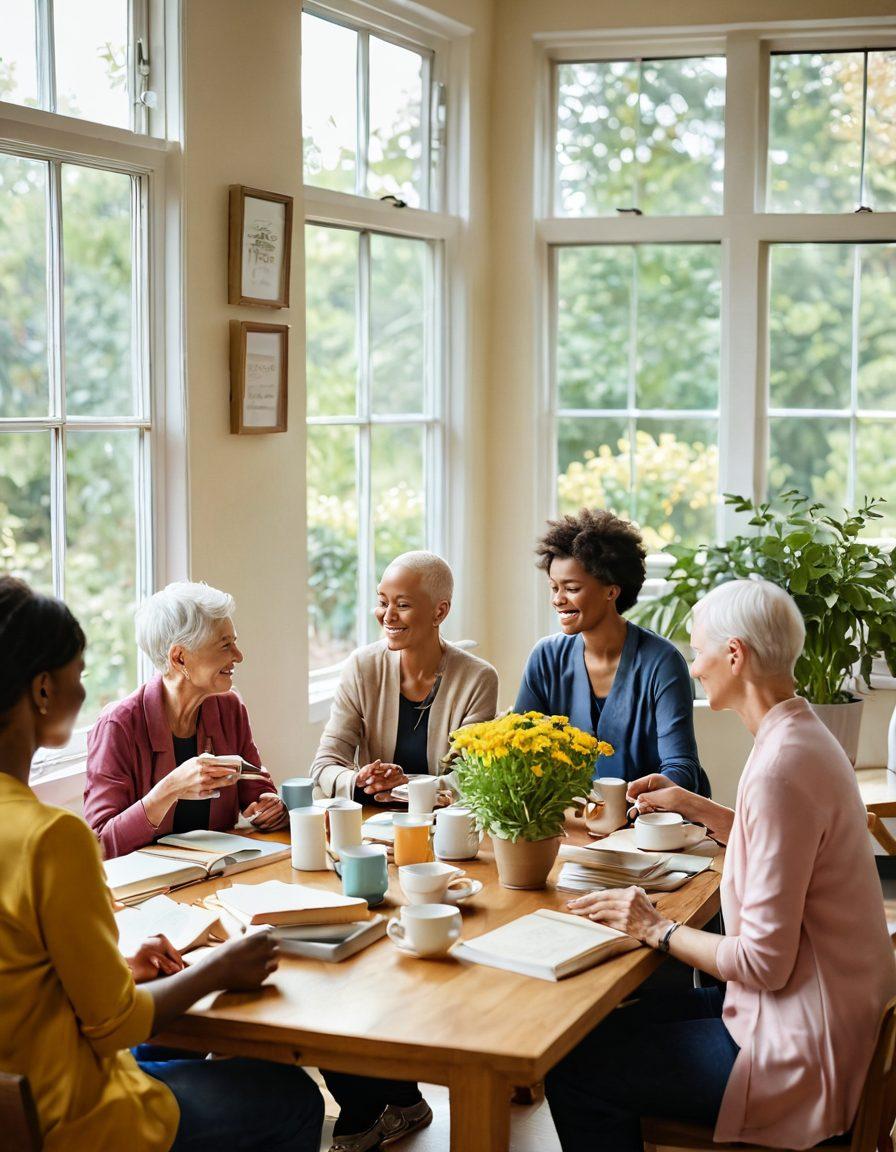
[[25, 507], [597, 134], [676, 480], [91, 60], [679, 305], [398, 494], [593, 464], [96, 230], [877, 329], [332, 545], [101, 558], [880, 132], [811, 455], [400, 316], [24, 389], [18, 53], [329, 103], [876, 470], [394, 149], [648, 135], [594, 314], [810, 325], [681, 141], [815, 132], [331, 301]]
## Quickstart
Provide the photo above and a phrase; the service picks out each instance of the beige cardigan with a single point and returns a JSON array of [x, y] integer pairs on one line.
[[363, 724]]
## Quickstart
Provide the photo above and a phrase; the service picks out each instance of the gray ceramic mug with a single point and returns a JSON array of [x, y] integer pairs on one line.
[[297, 792]]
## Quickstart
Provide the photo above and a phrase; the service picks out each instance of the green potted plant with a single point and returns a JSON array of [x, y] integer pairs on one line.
[[843, 586], [518, 774]]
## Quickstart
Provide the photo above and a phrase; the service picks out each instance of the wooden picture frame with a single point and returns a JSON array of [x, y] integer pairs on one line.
[[260, 247], [258, 377]]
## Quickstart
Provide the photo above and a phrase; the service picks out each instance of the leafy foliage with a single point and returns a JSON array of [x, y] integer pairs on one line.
[[519, 773], [843, 587]]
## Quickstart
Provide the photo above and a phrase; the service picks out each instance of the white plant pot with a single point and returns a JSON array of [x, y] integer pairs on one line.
[[844, 721]]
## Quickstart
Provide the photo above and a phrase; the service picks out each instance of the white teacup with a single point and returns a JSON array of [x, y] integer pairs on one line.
[[422, 793], [456, 837], [666, 832], [435, 883], [427, 929]]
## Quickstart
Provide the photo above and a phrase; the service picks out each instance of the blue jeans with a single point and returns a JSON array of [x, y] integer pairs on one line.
[[239, 1104], [666, 1054]]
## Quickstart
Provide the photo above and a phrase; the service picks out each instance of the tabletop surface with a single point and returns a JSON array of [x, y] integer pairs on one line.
[[389, 1003]]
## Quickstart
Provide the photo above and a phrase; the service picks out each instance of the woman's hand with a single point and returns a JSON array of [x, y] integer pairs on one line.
[[156, 956], [267, 813], [241, 965], [379, 778], [657, 793], [628, 910], [198, 779]]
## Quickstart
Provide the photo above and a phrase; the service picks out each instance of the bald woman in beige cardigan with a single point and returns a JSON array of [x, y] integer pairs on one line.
[[399, 699]]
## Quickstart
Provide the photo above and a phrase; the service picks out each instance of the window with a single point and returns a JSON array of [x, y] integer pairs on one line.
[[79, 245], [375, 271], [719, 292]]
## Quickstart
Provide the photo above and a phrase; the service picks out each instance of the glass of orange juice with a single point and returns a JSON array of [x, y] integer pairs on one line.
[[413, 839]]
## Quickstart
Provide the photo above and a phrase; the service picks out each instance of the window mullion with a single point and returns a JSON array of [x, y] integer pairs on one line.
[[46, 55], [852, 464], [864, 133], [632, 399], [56, 365], [363, 448], [363, 62], [426, 111]]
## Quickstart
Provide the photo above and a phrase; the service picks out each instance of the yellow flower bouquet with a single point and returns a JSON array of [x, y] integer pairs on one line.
[[519, 773]]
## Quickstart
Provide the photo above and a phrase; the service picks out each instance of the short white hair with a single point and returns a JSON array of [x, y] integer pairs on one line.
[[760, 614], [184, 613], [436, 576]]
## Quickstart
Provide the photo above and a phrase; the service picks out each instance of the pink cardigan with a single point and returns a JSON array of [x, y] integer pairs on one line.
[[130, 748], [807, 957]]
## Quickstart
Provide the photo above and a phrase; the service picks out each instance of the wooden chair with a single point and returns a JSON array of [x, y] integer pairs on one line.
[[18, 1116], [870, 1131], [877, 813]]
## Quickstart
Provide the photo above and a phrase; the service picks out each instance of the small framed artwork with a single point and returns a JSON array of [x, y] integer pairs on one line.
[[260, 246], [258, 377]]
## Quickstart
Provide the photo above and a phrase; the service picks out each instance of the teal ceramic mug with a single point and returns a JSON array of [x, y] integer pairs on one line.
[[297, 792], [364, 872]]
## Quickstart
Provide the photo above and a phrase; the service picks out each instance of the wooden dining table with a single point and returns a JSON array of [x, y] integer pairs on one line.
[[481, 1031]]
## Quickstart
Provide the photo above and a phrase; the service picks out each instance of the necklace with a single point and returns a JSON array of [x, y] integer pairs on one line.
[[424, 706]]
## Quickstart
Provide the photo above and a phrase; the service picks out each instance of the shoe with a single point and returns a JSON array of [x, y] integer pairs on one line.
[[396, 1123], [358, 1141]]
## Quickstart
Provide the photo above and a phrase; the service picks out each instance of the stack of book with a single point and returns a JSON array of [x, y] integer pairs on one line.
[[591, 867]]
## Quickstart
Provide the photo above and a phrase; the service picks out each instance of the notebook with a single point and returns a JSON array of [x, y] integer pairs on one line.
[[330, 942], [186, 858], [185, 926], [546, 944], [275, 902], [590, 867]]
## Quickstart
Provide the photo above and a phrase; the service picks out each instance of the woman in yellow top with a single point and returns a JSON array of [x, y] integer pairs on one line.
[[69, 1007]]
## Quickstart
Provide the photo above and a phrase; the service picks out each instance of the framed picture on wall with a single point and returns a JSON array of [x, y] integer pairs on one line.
[[259, 249], [258, 377]]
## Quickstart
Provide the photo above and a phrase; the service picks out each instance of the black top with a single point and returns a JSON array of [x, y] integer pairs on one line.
[[189, 814], [597, 706], [413, 729]]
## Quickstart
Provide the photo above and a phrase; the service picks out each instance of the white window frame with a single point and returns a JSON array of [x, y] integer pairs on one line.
[[445, 44], [153, 157], [743, 229]]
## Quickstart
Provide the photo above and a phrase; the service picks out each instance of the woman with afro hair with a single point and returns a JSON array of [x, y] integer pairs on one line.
[[624, 683]]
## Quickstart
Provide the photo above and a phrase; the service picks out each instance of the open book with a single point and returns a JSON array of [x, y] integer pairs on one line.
[[186, 858], [275, 902], [546, 944], [185, 926]]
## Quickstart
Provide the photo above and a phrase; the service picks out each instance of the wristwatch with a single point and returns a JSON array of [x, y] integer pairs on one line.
[[663, 945]]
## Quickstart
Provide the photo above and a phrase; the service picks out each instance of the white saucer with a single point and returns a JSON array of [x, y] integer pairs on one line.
[[419, 955], [452, 899]]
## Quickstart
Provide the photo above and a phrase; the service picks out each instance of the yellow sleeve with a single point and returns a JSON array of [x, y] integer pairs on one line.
[[75, 916]]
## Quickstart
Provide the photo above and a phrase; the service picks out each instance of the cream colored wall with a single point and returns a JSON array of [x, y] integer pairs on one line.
[[242, 93], [518, 437]]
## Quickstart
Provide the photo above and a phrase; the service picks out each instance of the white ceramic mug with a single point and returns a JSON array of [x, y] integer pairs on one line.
[[345, 825], [606, 808], [422, 794], [666, 832], [435, 883], [308, 839], [456, 837], [427, 929]]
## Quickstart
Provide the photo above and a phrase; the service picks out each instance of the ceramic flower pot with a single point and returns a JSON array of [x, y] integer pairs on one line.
[[844, 721], [526, 863]]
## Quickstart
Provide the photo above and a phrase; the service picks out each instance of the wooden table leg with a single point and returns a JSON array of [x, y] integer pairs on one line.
[[480, 1111]]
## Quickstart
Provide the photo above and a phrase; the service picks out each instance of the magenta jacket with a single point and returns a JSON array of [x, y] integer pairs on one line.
[[130, 749]]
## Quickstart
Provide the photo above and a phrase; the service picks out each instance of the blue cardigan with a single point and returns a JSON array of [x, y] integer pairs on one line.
[[648, 716]]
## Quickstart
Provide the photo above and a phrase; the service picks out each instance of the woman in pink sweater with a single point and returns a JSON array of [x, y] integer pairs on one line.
[[779, 1056]]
